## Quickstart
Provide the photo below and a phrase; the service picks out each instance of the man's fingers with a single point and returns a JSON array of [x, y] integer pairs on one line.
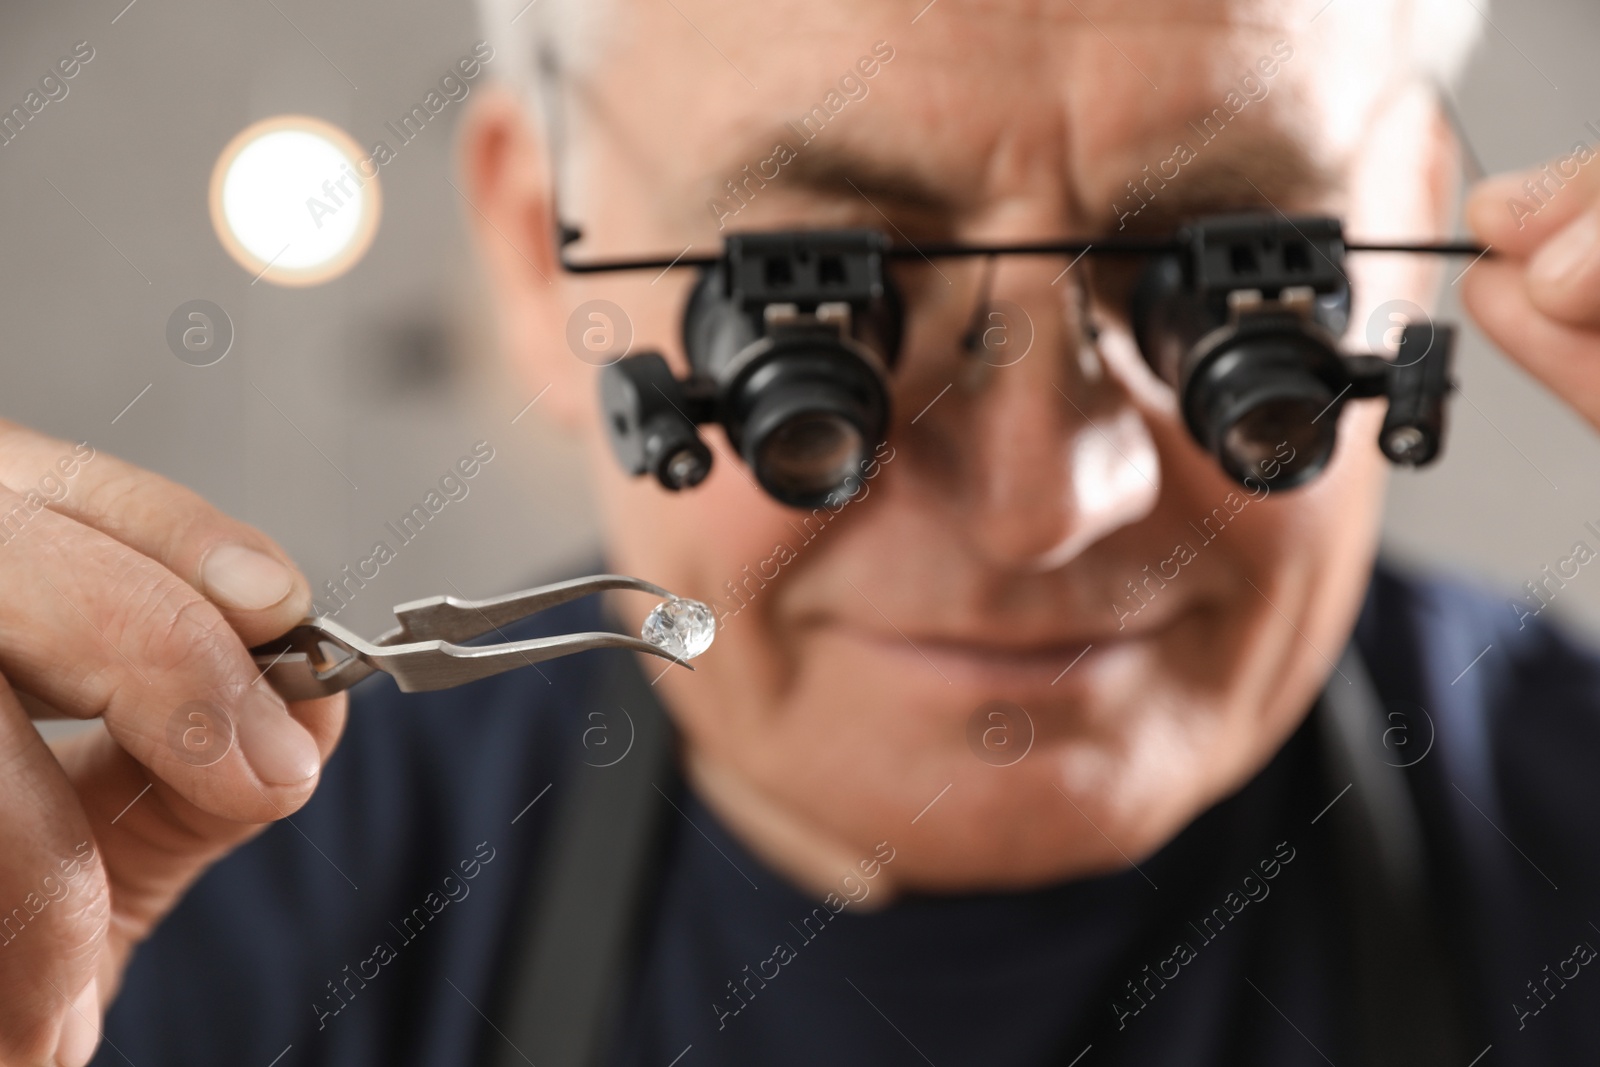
[[238, 568], [130, 599], [1563, 279], [1566, 358], [1519, 212], [154, 842], [54, 906], [93, 627]]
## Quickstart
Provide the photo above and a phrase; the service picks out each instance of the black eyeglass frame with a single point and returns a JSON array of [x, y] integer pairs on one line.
[[1246, 342]]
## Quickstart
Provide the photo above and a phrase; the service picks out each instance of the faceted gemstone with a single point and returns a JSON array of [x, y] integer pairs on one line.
[[680, 626]]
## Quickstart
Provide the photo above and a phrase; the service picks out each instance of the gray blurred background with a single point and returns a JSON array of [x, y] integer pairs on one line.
[[340, 405]]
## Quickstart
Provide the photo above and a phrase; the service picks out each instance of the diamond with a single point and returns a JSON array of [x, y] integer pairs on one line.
[[680, 626]]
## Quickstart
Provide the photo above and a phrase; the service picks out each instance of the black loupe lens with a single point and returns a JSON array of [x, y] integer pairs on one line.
[[1265, 412], [1277, 441], [806, 420], [806, 442], [811, 454]]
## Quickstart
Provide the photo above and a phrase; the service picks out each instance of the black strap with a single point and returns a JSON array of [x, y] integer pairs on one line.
[[571, 960], [1408, 1006]]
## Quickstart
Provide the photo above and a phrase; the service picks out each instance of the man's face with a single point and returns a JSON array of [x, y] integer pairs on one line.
[[991, 557]]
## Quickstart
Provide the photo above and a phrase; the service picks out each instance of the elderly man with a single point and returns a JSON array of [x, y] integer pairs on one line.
[[1172, 851]]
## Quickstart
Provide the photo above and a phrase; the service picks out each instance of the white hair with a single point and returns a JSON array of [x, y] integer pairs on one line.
[[541, 40], [1442, 36]]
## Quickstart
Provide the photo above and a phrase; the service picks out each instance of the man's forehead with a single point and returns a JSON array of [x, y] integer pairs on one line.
[[796, 25], [1086, 92], [1281, 14], [780, 42], [750, 58], [1260, 13]]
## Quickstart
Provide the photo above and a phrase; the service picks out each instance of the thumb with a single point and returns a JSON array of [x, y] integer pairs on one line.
[[53, 931]]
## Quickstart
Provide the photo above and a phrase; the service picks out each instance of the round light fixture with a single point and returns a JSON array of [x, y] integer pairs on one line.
[[294, 200]]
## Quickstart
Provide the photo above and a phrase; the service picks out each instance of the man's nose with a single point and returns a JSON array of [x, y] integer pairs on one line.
[[1044, 452]]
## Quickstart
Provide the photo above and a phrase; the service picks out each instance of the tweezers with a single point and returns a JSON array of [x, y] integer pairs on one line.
[[423, 653]]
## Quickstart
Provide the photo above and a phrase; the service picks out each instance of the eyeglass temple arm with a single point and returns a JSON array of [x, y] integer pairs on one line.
[[1110, 246]]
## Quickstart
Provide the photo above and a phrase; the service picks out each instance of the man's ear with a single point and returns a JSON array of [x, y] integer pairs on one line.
[[1448, 164], [1410, 163], [508, 183]]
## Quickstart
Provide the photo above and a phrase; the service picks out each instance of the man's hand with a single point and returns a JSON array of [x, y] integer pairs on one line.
[[131, 600], [1538, 295]]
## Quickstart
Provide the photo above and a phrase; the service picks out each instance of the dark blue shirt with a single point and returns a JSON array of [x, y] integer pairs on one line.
[[372, 926]]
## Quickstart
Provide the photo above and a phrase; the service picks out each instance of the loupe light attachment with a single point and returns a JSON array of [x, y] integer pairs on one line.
[[647, 418], [791, 338], [1418, 384]]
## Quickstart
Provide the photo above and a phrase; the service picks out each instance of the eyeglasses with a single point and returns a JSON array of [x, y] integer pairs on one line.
[[792, 337]]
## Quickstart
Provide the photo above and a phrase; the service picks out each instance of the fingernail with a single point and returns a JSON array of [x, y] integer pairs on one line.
[[80, 1031], [1569, 255], [279, 749], [244, 579]]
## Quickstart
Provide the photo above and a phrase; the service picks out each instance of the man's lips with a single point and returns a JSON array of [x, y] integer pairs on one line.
[[1007, 665]]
